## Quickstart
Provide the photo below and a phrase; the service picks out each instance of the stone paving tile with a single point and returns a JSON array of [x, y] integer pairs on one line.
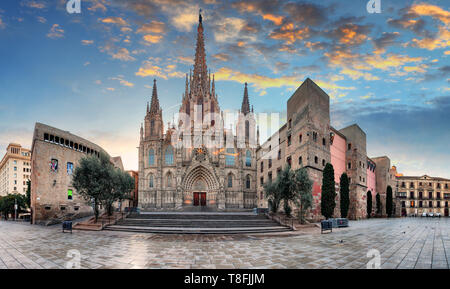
[[402, 243]]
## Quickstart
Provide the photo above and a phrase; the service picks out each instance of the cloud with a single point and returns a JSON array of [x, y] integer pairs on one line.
[[117, 53], [308, 14], [55, 32], [348, 33], [152, 27], [441, 40], [98, 5], [114, 20], [289, 33], [386, 39], [277, 20], [41, 19], [222, 57], [151, 67], [123, 81], [152, 38], [424, 9], [229, 30], [34, 4], [355, 74], [87, 42]]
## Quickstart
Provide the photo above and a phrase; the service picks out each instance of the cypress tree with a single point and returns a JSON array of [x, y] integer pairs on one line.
[[369, 204], [344, 192], [389, 201], [378, 203], [328, 202]]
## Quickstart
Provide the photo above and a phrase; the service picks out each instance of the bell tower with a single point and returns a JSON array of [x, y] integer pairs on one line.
[[153, 119]]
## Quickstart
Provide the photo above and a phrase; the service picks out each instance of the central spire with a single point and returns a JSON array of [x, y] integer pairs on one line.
[[200, 78], [245, 102], [154, 107]]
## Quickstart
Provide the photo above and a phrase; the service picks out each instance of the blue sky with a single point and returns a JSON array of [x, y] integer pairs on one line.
[[91, 73]]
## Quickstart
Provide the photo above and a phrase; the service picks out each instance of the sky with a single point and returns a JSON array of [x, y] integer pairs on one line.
[[92, 73]]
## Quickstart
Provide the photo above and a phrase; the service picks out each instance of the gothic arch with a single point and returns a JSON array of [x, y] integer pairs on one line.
[[200, 173]]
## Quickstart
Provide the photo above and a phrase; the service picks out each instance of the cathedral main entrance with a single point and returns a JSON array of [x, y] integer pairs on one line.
[[199, 199]]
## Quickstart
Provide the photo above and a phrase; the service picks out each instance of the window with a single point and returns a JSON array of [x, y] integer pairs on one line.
[[411, 185], [411, 195], [430, 195], [169, 180], [69, 194], [54, 165], [314, 136], [262, 166], [151, 157], [289, 161], [349, 146], [403, 184], [229, 158], [323, 162], [300, 138], [261, 180], [438, 204], [316, 159], [300, 160], [349, 165], [430, 204], [69, 168], [270, 177], [324, 142], [279, 154], [420, 204], [438, 195], [290, 123], [150, 181], [247, 182], [247, 129], [169, 155], [230, 180], [152, 127], [270, 163], [248, 159], [289, 140]]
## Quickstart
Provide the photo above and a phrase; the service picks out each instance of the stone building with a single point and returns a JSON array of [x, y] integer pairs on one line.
[[134, 195], [55, 154], [308, 140], [197, 164], [419, 194], [15, 170]]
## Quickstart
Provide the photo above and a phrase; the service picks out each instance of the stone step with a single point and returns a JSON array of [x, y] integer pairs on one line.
[[198, 224], [184, 230]]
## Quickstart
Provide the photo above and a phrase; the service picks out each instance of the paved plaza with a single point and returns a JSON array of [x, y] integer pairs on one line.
[[402, 243]]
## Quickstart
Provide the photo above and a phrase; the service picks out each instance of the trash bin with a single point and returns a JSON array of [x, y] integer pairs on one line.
[[326, 225], [67, 225]]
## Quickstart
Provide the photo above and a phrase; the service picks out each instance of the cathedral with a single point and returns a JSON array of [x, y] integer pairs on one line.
[[198, 164]]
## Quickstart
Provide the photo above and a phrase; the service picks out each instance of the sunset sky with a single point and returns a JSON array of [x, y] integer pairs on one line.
[[92, 73]]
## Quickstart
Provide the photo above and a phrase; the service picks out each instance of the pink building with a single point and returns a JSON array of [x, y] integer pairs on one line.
[[337, 151], [371, 177]]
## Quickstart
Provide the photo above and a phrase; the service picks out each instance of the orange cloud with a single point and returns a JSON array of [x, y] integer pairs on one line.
[[350, 35], [152, 27], [98, 5], [391, 61], [114, 20], [152, 38], [355, 74], [277, 20], [123, 81], [442, 40], [434, 11], [122, 53], [55, 32], [289, 33]]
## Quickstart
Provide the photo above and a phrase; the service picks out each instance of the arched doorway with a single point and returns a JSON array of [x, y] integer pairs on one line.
[[200, 188]]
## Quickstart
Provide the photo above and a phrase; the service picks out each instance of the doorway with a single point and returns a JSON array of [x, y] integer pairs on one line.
[[200, 199], [446, 212]]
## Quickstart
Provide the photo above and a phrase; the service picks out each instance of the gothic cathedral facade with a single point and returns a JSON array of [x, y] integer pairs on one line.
[[198, 165]]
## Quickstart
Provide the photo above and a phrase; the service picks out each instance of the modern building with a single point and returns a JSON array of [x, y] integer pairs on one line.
[[422, 194], [15, 170], [55, 155], [197, 164]]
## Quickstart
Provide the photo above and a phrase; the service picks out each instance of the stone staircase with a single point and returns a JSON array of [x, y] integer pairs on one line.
[[198, 223]]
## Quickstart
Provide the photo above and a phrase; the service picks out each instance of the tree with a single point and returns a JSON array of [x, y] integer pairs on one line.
[[301, 185], [369, 204], [98, 181], [389, 201], [91, 179], [7, 204], [28, 194], [328, 202], [272, 196], [284, 186], [378, 203], [344, 193]]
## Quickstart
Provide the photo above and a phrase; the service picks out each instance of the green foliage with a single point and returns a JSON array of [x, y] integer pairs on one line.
[[369, 204], [378, 203], [389, 201], [28, 194], [96, 180], [7, 204], [302, 187], [344, 195], [290, 187], [328, 202]]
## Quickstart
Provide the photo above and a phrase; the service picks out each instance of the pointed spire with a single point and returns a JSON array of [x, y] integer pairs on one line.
[[200, 68], [186, 92], [154, 108], [245, 102], [142, 132]]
